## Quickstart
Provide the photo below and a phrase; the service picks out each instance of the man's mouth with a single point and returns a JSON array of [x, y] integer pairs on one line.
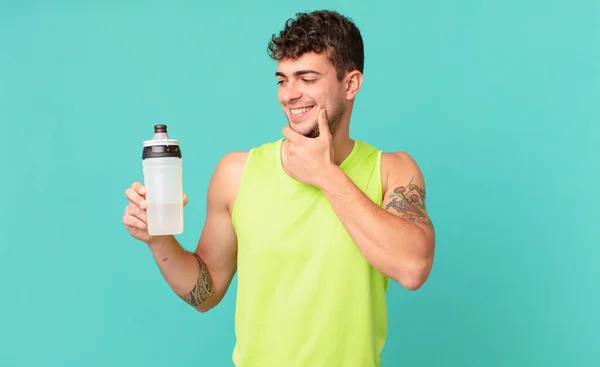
[[300, 111]]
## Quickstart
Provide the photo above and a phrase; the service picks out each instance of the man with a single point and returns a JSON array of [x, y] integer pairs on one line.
[[314, 224]]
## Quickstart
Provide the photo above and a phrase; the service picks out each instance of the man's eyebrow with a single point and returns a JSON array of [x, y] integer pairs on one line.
[[299, 73]]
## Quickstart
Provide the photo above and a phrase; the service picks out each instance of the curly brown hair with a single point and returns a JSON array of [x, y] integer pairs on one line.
[[321, 31]]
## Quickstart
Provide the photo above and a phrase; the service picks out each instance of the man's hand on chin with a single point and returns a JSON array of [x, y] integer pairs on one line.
[[309, 160]]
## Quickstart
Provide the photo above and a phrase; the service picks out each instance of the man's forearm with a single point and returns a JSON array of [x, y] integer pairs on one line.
[[398, 248], [185, 272]]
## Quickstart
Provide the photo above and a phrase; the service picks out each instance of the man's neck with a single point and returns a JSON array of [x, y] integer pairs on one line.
[[342, 145]]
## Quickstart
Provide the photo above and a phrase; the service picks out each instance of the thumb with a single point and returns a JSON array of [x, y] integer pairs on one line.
[[323, 124]]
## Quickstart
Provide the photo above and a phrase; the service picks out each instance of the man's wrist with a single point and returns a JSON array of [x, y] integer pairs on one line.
[[332, 177], [159, 241]]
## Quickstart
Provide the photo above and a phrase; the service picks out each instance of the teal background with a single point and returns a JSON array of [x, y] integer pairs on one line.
[[498, 101]]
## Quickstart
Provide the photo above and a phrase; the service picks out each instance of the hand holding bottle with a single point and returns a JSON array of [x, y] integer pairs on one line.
[[156, 207], [135, 218]]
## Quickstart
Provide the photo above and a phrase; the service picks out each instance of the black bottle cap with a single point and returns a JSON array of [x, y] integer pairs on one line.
[[160, 145], [160, 129]]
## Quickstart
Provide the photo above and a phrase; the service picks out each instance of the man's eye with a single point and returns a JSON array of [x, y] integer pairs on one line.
[[280, 82], [309, 80]]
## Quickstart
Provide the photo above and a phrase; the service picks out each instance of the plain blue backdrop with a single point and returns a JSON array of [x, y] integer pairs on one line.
[[498, 101]]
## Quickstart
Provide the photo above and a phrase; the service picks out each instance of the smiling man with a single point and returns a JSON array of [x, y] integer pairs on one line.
[[314, 224]]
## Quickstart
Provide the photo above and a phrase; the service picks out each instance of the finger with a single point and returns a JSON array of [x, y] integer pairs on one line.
[[139, 188], [291, 134], [185, 199], [135, 211], [135, 197], [133, 222], [323, 124]]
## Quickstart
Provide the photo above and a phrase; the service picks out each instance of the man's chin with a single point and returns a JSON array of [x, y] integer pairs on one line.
[[310, 132]]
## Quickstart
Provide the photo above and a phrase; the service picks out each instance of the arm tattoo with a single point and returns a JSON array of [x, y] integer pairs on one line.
[[203, 288], [409, 202]]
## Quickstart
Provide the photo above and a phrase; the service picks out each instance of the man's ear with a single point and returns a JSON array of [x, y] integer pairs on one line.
[[352, 83]]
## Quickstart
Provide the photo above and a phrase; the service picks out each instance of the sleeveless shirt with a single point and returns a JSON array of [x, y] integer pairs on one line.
[[306, 296]]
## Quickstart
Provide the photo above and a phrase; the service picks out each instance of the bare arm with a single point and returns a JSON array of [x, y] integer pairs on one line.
[[200, 278], [397, 238], [217, 246]]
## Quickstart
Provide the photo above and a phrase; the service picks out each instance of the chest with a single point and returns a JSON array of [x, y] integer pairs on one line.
[[296, 224]]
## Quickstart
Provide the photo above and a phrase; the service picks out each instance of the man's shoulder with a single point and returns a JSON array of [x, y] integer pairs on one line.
[[236, 160], [392, 160], [233, 160], [230, 170], [399, 166], [396, 159], [226, 178]]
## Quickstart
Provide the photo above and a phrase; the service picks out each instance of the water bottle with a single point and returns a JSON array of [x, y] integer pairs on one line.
[[161, 163]]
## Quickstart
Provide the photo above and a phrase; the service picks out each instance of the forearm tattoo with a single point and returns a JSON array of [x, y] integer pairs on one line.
[[203, 288]]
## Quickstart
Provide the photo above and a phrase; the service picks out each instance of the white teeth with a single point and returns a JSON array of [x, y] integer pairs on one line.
[[297, 111]]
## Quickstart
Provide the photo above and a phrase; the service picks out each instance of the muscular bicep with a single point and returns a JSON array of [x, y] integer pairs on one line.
[[405, 190]]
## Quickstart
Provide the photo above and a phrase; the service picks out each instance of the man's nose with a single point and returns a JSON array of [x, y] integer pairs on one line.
[[291, 93]]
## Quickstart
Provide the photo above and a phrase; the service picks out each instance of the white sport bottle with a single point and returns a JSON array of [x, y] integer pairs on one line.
[[161, 163]]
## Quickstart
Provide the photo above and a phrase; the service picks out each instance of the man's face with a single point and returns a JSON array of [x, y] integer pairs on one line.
[[306, 85]]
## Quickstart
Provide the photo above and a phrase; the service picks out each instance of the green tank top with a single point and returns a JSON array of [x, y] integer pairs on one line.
[[306, 296]]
